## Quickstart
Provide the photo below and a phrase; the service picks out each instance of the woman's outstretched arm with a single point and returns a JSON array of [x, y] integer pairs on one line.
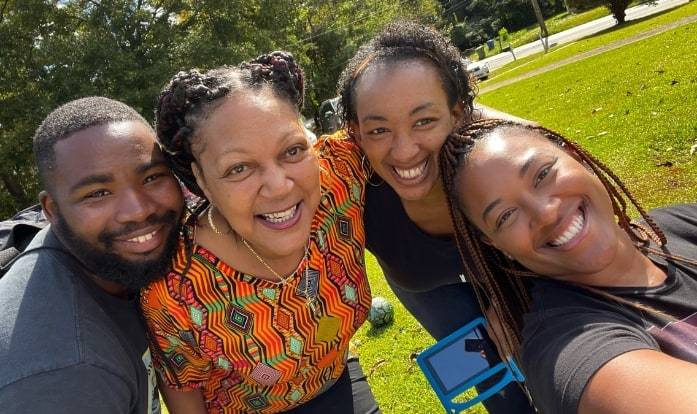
[[641, 381]]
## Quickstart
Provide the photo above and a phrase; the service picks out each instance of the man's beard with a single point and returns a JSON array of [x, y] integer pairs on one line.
[[104, 264]]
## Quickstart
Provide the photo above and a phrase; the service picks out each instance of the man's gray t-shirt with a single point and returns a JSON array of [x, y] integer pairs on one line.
[[66, 346]]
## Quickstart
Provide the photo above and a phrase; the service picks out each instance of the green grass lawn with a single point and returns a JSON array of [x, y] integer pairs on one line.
[[556, 24], [633, 107], [556, 54]]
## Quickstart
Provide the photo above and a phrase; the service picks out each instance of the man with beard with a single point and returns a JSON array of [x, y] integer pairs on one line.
[[71, 338]]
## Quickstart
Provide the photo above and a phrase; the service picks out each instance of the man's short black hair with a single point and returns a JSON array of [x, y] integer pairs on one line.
[[73, 117]]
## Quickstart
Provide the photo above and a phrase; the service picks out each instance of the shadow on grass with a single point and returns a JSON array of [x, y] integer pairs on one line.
[[376, 331]]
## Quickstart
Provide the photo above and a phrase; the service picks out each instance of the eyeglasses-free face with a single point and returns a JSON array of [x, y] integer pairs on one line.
[[403, 120], [256, 165], [540, 205]]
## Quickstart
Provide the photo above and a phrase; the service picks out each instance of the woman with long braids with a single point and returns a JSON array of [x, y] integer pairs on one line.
[[268, 285], [402, 94], [600, 311]]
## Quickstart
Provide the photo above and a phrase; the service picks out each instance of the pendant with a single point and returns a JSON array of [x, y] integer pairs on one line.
[[314, 307]]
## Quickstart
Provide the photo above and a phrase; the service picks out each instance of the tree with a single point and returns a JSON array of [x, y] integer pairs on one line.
[[54, 51], [22, 96], [328, 33], [475, 21], [617, 8], [57, 51]]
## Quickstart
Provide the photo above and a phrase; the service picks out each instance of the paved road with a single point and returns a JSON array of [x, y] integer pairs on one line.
[[581, 31], [592, 52]]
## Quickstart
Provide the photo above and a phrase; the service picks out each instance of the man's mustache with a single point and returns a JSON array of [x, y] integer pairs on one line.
[[168, 218]]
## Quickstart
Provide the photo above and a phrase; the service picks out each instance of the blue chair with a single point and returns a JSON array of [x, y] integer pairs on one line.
[[455, 364]]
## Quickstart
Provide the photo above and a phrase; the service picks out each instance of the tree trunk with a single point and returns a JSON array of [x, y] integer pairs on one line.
[[14, 189], [618, 7], [619, 15]]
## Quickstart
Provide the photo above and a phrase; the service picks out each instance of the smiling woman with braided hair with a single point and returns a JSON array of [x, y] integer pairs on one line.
[[600, 311], [269, 284]]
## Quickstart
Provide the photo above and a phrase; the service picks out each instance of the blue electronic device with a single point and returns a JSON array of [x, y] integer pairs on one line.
[[456, 363]]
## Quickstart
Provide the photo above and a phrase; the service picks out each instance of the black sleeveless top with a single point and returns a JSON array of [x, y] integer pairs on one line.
[[410, 258]]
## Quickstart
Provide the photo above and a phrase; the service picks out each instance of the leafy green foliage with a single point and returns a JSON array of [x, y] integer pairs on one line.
[[56, 51], [332, 31], [476, 21], [576, 6]]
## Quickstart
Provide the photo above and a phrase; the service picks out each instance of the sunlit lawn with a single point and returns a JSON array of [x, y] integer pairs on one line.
[[633, 107], [555, 24]]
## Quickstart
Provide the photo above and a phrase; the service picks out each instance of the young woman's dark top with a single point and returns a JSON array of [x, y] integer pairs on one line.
[[409, 257]]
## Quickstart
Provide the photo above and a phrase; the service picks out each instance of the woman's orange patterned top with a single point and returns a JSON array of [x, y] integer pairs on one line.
[[255, 345]]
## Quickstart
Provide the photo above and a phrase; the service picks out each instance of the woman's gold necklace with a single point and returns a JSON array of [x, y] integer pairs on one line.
[[281, 279], [310, 300]]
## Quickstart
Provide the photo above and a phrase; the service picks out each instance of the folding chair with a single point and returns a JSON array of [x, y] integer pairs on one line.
[[456, 363]]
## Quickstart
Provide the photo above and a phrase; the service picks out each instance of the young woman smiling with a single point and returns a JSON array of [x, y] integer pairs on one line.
[[610, 321], [402, 94], [269, 284]]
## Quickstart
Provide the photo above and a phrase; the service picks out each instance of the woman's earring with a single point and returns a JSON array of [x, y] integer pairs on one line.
[[365, 165], [211, 223]]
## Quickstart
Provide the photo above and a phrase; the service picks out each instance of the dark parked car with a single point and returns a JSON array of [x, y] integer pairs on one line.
[[329, 116]]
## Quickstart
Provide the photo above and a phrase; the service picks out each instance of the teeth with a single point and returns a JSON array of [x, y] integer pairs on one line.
[[280, 216], [143, 239], [411, 172], [570, 233]]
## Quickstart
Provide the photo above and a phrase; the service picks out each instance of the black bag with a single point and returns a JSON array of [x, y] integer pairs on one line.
[[17, 232]]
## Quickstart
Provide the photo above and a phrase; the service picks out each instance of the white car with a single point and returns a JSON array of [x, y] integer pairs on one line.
[[477, 69]]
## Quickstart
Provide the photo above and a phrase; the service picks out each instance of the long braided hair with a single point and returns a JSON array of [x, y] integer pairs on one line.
[[406, 41], [495, 278], [190, 97]]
